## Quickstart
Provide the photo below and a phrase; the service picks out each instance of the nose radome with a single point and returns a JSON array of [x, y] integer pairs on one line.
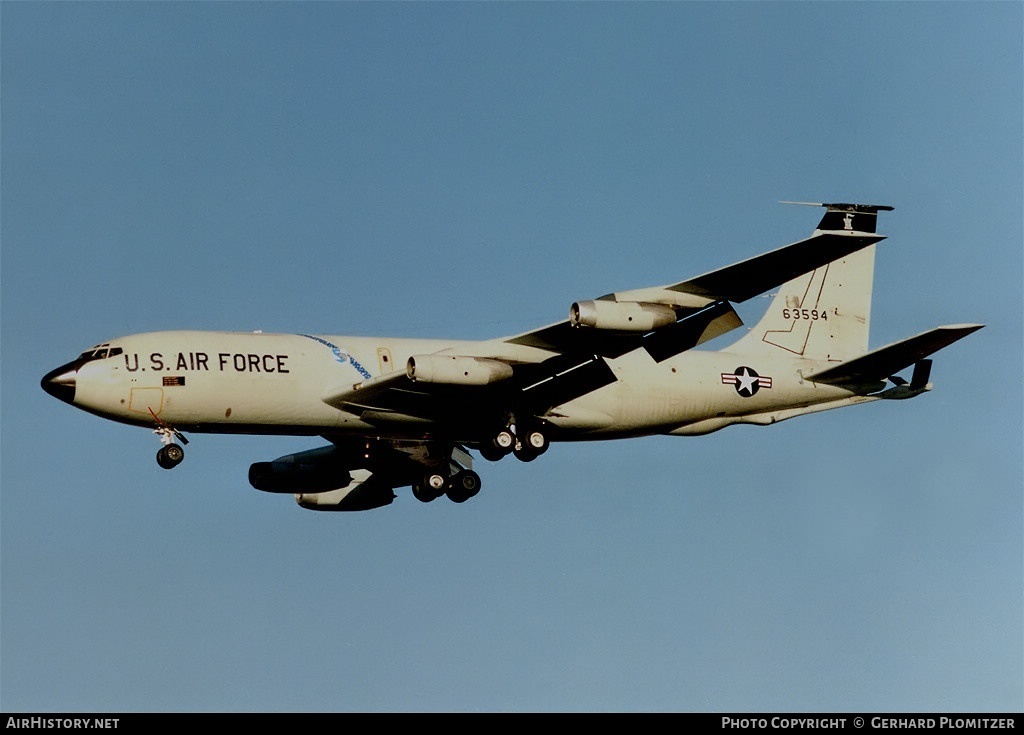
[[60, 383]]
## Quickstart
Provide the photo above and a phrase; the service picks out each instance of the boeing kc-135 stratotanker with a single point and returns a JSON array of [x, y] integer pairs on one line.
[[407, 412]]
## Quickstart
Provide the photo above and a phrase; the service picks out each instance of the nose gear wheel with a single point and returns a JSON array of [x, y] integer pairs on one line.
[[170, 456]]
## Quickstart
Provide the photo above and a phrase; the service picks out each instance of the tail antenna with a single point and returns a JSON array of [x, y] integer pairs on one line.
[[845, 217]]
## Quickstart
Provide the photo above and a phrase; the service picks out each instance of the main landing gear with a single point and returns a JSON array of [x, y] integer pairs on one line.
[[459, 487], [170, 454], [526, 443]]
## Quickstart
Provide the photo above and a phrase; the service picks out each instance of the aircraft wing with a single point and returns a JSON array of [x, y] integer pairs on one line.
[[569, 360], [884, 362], [365, 394], [754, 276], [533, 385], [734, 283]]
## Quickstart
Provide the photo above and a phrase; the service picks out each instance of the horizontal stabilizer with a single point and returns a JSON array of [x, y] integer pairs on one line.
[[886, 361]]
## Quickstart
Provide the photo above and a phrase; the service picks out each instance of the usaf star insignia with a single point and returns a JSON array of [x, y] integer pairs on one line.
[[746, 380]]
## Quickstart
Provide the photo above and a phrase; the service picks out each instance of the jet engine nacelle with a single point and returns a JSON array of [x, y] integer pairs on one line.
[[291, 477], [623, 316], [312, 471], [364, 492], [457, 369]]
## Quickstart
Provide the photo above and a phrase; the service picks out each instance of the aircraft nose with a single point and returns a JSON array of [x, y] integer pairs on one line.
[[60, 383]]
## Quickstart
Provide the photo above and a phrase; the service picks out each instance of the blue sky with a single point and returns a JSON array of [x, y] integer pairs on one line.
[[468, 170]]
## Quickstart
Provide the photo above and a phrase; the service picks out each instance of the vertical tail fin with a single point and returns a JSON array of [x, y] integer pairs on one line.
[[824, 314]]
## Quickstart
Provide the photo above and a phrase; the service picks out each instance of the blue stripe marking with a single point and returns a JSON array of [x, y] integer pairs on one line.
[[340, 355]]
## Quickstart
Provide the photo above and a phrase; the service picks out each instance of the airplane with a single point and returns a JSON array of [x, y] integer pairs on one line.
[[408, 412]]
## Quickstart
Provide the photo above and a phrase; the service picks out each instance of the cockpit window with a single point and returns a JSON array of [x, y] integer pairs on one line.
[[99, 352]]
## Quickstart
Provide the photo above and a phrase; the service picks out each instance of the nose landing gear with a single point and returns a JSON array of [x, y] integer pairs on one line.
[[170, 454]]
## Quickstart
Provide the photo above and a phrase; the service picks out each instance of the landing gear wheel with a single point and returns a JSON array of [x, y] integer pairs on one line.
[[431, 487], [532, 443], [170, 456], [536, 440], [504, 440], [526, 454], [492, 453], [463, 486], [424, 493]]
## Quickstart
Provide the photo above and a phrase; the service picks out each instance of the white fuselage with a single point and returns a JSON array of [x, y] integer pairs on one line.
[[230, 382]]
